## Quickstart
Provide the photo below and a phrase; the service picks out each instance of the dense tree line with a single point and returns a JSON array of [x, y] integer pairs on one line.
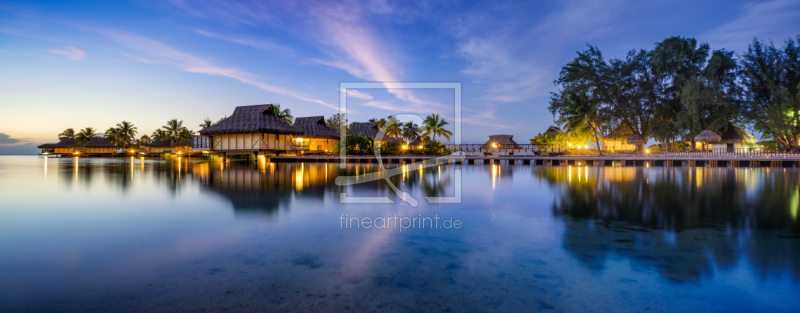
[[681, 88]]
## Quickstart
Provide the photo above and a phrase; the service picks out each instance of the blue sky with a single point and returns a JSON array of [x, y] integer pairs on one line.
[[78, 64]]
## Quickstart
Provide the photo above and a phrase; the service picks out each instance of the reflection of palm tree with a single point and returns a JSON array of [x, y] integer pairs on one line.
[[68, 133], [433, 125], [85, 134]]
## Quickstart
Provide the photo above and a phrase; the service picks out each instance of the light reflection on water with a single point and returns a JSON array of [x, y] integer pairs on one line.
[[147, 235]]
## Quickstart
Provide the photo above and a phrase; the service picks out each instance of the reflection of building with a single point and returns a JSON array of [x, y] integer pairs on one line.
[[268, 187], [252, 129], [317, 137]]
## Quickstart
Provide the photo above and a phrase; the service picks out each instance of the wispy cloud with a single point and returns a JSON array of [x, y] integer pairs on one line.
[[262, 44], [776, 20], [159, 53], [6, 139], [358, 95], [74, 53]]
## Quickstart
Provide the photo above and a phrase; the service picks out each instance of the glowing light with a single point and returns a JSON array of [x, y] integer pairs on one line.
[[494, 176], [299, 139], [405, 147], [494, 145], [647, 151], [76, 152], [179, 152]]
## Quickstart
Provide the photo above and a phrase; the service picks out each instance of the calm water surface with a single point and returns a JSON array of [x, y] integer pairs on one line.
[[149, 235]]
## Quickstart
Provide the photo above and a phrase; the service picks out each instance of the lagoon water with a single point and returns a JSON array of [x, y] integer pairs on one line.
[[117, 235]]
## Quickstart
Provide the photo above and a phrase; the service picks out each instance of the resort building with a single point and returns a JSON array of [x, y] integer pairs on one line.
[[734, 139], [158, 146], [252, 129], [370, 129], [502, 141], [95, 146], [64, 146], [317, 137], [552, 130], [617, 140], [419, 141]]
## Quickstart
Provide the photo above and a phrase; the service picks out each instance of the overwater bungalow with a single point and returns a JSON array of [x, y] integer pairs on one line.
[[370, 129], [734, 138], [95, 146], [64, 146], [252, 129], [317, 137], [160, 146]]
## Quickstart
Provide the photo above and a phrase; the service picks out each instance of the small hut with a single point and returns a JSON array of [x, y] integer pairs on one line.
[[95, 146], [64, 146], [501, 142], [317, 137], [733, 138], [158, 146], [637, 141], [252, 129], [617, 140], [370, 129], [553, 130], [417, 142], [707, 137]]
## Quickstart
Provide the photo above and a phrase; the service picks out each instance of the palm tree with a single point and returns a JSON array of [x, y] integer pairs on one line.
[[410, 131], [579, 116], [68, 133], [159, 134], [85, 134], [285, 115], [173, 129], [126, 132], [206, 124], [185, 134], [433, 125], [222, 119], [394, 129], [144, 140], [114, 136]]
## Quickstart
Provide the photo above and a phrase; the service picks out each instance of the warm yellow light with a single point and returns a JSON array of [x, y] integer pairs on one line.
[[179, 152], [405, 147], [76, 152], [494, 145], [131, 150], [569, 144], [647, 151], [299, 139]]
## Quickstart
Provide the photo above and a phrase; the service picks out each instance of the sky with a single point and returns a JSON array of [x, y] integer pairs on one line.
[[95, 63]]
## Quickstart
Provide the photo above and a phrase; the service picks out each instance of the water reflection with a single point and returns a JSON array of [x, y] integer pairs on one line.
[[682, 223]]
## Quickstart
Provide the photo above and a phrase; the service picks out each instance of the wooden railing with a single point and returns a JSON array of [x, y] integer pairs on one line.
[[572, 150]]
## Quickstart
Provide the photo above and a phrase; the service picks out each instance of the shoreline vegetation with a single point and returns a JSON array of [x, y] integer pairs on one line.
[[678, 90]]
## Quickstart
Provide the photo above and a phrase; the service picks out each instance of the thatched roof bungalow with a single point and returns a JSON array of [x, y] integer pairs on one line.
[[501, 141], [370, 129], [734, 137], [317, 136], [95, 145], [64, 146], [418, 141], [252, 129], [617, 140], [637, 141], [552, 130]]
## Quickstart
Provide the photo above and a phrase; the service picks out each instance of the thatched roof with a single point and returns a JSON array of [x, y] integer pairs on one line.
[[502, 140], [251, 119], [368, 129], [96, 142], [636, 139], [707, 136], [419, 140], [314, 127], [618, 134], [159, 142], [64, 142], [734, 134], [553, 130]]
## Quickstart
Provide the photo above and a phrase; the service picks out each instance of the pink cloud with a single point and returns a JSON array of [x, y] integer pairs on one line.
[[74, 53]]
